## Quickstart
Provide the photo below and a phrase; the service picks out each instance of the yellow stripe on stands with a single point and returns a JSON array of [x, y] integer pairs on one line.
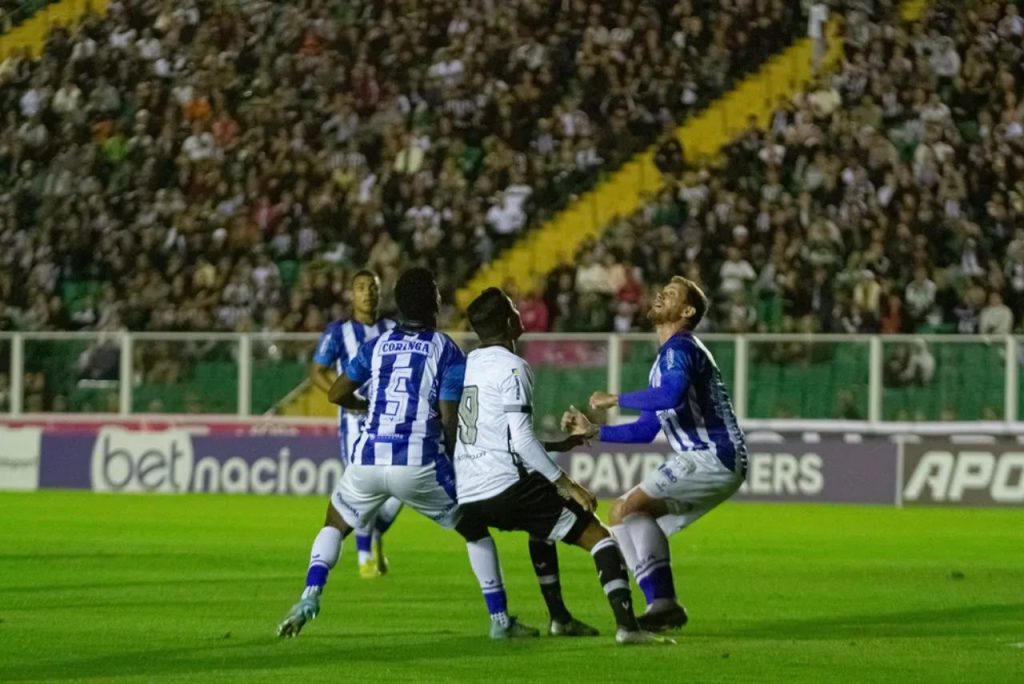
[[32, 32], [913, 10], [702, 136]]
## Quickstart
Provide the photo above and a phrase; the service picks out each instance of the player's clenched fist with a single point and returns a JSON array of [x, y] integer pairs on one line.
[[575, 423], [603, 400]]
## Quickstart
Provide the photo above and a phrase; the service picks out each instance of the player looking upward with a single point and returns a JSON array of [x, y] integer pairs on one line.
[[688, 400], [506, 479], [337, 346], [415, 378]]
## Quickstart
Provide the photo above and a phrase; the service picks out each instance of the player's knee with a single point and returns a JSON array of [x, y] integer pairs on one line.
[[591, 535], [334, 519]]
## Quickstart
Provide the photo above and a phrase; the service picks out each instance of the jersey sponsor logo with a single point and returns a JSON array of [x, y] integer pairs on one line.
[[466, 455], [967, 476], [667, 472]]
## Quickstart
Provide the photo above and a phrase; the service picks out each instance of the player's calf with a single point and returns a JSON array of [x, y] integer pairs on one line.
[[544, 556], [483, 558], [322, 558], [611, 572], [614, 578]]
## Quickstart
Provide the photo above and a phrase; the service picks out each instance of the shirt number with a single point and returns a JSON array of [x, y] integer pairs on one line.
[[398, 393], [469, 412]]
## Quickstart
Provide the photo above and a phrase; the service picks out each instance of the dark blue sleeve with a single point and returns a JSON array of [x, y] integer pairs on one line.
[[358, 369], [452, 371], [329, 347], [675, 364], [641, 431]]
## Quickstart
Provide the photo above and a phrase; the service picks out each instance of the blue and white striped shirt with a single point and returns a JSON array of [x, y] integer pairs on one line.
[[704, 418], [339, 344], [409, 373]]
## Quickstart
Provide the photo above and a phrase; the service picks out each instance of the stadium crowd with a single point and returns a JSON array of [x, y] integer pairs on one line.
[[886, 198], [201, 165]]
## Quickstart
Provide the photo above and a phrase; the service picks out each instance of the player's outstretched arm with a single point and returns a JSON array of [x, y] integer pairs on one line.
[[343, 393], [667, 396], [567, 444], [641, 431]]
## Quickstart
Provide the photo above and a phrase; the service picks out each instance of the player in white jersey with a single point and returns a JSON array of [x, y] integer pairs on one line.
[[337, 346], [688, 401], [504, 476], [414, 375]]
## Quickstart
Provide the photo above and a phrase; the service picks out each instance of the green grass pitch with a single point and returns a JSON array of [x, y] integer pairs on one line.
[[157, 588]]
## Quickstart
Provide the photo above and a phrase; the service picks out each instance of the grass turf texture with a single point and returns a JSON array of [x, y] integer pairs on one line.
[[185, 588]]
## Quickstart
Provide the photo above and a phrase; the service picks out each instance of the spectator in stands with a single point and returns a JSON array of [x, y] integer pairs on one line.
[[197, 133], [996, 318], [669, 155]]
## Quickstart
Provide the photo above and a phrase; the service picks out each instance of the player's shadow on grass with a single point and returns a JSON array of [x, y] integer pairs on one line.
[[256, 654], [932, 622]]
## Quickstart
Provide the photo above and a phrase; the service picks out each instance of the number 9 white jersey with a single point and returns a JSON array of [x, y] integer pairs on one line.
[[498, 383]]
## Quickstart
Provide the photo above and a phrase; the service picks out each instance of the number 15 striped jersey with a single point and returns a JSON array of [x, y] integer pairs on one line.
[[409, 372]]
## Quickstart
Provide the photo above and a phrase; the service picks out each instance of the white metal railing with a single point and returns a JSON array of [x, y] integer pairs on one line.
[[21, 351]]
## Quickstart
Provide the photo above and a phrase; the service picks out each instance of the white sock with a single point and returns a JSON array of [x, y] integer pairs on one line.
[[364, 543], [483, 558], [621, 535], [322, 559], [652, 569]]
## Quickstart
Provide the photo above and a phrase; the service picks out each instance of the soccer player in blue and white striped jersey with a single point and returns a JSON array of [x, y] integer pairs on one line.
[[415, 376], [337, 347], [688, 401]]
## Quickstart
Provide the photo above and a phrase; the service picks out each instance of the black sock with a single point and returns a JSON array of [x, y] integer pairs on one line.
[[545, 563], [611, 571]]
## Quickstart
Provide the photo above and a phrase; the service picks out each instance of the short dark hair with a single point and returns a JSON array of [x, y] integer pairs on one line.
[[364, 273], [489, 313], [696, 298], [416, 295]]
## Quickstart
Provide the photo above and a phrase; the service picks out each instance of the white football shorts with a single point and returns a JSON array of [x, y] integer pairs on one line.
[[429, 489], [691, 484]]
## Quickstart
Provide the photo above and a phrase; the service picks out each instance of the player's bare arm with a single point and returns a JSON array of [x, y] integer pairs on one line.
[[449, 423], [343, 393], [321, 376], [567, 444], [571, 489]]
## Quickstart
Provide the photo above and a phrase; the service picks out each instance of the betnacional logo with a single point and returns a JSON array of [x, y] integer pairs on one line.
[[127, 461], [174, 461]]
